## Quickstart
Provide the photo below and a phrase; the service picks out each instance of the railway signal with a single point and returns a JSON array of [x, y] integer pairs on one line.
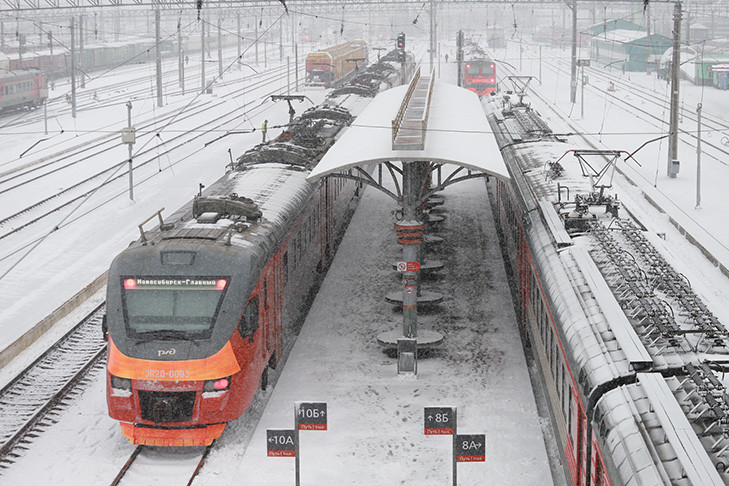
[[401, 40]]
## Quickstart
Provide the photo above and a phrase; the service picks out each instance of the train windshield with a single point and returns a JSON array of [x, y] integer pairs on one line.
[[480, 69], [172, 307]]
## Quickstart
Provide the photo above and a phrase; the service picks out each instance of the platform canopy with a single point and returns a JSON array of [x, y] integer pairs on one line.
[[458, 133]]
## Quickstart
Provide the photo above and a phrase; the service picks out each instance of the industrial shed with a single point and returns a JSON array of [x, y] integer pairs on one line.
[[632, 50]]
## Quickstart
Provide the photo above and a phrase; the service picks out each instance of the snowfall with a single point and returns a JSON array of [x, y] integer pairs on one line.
[[375, 419]]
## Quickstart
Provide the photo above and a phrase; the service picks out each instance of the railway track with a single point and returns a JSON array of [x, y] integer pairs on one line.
[[29, 402], [709, 122], [112, 137], [75, 192], [176, 465]]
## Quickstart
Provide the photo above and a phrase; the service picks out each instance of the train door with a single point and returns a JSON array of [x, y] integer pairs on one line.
[[581, 448], [269, 310], [326, 218]]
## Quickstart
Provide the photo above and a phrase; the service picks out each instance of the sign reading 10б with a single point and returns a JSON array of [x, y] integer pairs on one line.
[[311, 415]]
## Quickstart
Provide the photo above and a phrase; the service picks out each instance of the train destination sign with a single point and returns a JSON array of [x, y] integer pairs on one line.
[[470, 448], [281, 443], [439, 420], [185, 283], [311, 415]]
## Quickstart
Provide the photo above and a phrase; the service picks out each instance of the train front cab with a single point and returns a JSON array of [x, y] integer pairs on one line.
[[479, 76], [188, 402], [319, 69], [566, 405]]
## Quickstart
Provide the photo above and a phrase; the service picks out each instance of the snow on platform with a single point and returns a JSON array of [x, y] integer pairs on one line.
[[375, 420]]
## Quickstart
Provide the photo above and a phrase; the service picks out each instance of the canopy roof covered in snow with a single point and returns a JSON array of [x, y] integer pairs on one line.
[[458, 133]]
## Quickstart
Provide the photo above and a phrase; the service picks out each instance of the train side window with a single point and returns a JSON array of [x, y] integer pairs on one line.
[[248, 323], [286, 267], [265, 293], [555, 352], [550, 350], [569, 414], [565, 389]]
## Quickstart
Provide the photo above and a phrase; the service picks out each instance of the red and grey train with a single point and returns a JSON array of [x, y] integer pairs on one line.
[[25, 88], [478, 69], [630, 357], [199, 308], [479, 75]]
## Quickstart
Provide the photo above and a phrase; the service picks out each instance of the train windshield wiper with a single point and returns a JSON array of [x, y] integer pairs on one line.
[[161, 335]]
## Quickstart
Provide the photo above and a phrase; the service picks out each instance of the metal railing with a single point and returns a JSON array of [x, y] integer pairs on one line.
[[397, 122]]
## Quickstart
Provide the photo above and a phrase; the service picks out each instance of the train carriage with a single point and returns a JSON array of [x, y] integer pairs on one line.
[[330, 66], [479, 76], [626, 351], [199, 308], [25, 88]]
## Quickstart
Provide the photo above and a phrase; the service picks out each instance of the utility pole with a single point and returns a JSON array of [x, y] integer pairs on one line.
[[51, 74], [20, 47], [128, 137], [202, 53], [220, 48], [180, 56], [431, 47], [158, 41], [296, 65], [280, 40], [673, 163], [459, 56], [255, 33], [698, 158], [81, 50], [240, 55], [573, 67], [73, 69]]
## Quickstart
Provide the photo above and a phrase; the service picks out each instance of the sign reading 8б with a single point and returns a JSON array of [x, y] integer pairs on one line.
[[438, 421]]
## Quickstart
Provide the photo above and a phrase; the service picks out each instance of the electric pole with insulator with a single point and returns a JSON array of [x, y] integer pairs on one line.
[[673, 163]]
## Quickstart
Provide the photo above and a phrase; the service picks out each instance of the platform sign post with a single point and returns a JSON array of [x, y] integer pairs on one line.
[[311, 415], [470, 448], [281, 443], [443, 421], [308, 416]]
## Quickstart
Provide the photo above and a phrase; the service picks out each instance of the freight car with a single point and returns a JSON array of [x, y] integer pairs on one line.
[[198, 309], [335, 64], [631, 358], [20, 89]]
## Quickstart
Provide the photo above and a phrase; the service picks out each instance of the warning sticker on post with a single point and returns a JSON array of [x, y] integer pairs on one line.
[[470, 448]]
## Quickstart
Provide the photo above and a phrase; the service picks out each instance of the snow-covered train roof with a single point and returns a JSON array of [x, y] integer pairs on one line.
[[636, 335], [552, 188]]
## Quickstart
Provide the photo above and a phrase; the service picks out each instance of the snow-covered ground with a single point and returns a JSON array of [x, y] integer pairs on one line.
[[375, 431]]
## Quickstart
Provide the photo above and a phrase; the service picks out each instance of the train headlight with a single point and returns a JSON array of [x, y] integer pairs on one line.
[[220, 384], [121, 383]]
